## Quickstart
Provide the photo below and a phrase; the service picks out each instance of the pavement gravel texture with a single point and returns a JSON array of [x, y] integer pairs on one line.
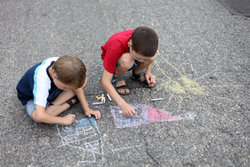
[[202, 72]]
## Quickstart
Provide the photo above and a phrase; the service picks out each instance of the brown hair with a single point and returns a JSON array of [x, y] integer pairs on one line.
[[70, 70], [144, 41]]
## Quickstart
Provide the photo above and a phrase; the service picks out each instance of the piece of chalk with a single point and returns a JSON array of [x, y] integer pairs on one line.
[[97, 103], [158, 99], [109, 97]]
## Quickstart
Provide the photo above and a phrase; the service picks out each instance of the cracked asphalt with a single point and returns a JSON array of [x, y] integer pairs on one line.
[[202, 75]]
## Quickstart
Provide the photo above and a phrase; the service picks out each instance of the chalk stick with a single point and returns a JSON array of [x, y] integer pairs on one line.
[[157, 99], [109, 97], [97, 103]]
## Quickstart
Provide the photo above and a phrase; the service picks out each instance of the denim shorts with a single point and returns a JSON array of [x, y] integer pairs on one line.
[[136, 63], [30, 106]]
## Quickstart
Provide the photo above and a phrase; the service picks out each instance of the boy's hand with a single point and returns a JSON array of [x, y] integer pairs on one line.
[[68, 119], [90, 112], [128, 110], [150, 79]]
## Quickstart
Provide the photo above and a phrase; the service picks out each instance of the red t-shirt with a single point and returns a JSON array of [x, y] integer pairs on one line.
[[116, 45]]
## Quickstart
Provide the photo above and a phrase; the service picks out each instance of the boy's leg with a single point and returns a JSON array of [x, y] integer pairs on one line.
[[125, 63], [59, 104], [139, 69], [138, 73]]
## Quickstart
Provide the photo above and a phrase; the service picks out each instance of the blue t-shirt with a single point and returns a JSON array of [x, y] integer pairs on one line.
[[36, 84]]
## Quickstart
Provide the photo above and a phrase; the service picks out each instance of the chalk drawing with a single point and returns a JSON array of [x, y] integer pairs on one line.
[[83, 135], [145, 115], [121, 121], [180, 86], [155, 114]]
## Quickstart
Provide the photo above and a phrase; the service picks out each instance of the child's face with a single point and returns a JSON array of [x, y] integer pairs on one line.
[[139, 57], [60, 85], [136, 56], [63, 86]]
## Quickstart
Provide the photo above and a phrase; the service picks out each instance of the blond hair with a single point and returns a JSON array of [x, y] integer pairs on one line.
[[70, 70]]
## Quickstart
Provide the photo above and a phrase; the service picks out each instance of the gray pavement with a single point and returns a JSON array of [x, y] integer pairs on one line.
[[202, 73]]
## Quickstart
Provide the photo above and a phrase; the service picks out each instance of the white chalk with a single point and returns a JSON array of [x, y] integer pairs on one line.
[[109, 97], [157, 99]]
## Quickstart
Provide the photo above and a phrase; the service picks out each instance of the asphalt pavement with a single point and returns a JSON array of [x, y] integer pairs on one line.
[[202, 72]]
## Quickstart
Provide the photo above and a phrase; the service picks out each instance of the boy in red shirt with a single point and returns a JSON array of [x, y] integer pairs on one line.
[[124, 51]]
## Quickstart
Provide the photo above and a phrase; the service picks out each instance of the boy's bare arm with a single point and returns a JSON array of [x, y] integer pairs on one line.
[[149, 63], [149, 77], [40, 115], [88, 112], [127, 109], [80, 94]]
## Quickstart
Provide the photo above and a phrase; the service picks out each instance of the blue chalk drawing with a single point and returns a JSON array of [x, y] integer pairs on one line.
[[84, 135]]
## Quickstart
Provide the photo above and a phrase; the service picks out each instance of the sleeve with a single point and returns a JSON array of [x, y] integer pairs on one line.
[[113, 53], [41, 88]]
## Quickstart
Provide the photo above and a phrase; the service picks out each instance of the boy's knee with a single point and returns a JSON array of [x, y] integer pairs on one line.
[[36, 120], [35, 117], [125, 61]]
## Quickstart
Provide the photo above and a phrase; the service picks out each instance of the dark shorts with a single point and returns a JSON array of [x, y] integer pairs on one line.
[[53, 95], [136, 63]]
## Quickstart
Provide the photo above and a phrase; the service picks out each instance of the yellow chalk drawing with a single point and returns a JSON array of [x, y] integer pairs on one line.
[[182, 87], [183, 84]]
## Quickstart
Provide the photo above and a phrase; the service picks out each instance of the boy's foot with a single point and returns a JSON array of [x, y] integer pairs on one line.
[[120, 85], [141, 78]]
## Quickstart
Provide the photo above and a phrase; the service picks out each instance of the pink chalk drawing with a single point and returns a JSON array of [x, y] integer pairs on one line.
[[155, 114], [145, 114]]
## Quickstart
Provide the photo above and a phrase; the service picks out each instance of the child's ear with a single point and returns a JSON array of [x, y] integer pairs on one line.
[[130, 44], [54, 75]]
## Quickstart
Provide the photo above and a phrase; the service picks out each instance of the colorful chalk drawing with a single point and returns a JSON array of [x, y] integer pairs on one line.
[[83, 135], [145, 115]]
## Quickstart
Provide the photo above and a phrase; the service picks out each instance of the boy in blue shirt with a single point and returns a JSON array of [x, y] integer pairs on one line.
[[53, 86]]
